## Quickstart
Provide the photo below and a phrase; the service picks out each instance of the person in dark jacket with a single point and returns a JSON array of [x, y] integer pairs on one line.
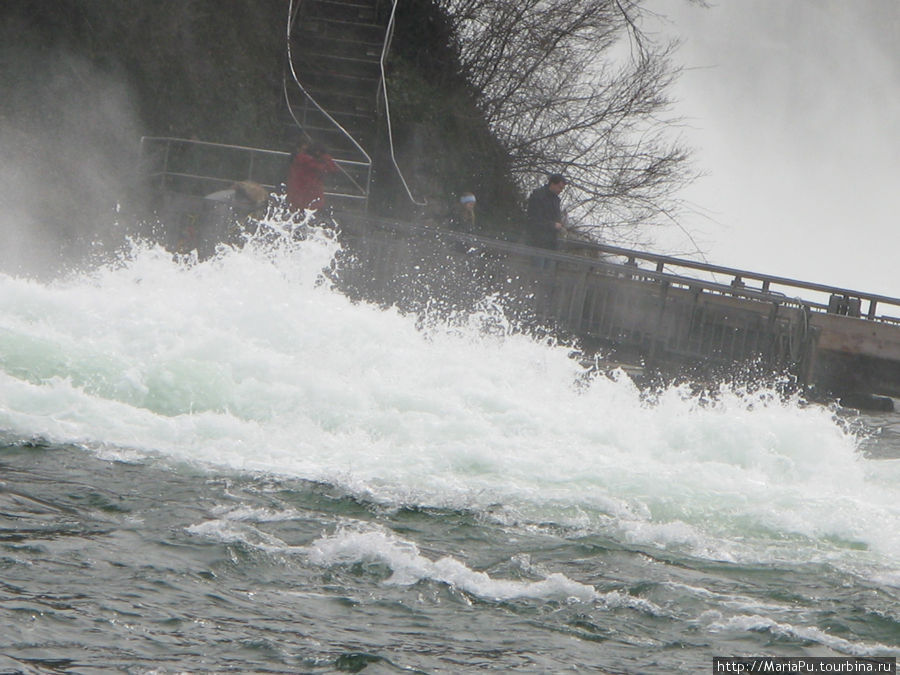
[[544, 213], [306, 186]]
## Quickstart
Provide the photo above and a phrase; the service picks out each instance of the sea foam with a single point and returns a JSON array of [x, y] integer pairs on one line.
[[252, 361]]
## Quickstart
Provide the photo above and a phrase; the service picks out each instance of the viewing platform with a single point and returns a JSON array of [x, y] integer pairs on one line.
[[661, 313], [666, 313]]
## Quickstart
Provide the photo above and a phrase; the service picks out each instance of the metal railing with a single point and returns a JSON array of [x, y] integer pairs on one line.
[[643, 315], [199, 167], [604, 259], [310, 101], [361, 190], [637, 306], [742, 281], [388, 38]]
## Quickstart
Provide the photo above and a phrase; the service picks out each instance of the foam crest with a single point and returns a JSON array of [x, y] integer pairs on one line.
[[231, 532], [757, 623], [409, 566], [253, 362]]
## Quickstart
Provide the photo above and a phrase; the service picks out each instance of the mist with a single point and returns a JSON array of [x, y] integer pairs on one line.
[[69, 135], [792, 108]]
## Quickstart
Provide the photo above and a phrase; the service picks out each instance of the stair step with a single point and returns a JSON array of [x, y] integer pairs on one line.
[[320, 61], [362, 127], [369, 4], [336, 50], [346, 11], [335, 140], [349, 118], [347, 100], [348, 30], [313, 42], [322, 79], [334, 62]]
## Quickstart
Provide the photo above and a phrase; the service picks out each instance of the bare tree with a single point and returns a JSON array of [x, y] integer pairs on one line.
[[574, 86]]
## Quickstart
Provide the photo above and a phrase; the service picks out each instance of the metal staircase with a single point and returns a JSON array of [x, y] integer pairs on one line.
[[333, 85], [333, 82]]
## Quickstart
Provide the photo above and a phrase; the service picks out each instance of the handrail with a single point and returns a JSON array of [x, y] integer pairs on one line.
[[388, 38], [293, 13], [228, 146], [736, 287], [739, 275], [165, 170], [630, 268]]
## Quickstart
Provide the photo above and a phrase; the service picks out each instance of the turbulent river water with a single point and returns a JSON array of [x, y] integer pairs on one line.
[[228, 466]]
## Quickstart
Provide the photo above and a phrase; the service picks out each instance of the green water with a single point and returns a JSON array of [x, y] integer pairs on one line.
[[154, 566]]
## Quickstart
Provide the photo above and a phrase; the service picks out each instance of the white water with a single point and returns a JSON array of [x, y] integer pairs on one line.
[[251, 362]]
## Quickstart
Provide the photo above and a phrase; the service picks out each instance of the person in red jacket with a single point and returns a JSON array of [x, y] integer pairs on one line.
[[305, 186]]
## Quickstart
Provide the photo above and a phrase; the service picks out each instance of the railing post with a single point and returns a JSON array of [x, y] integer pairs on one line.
[[165, 171]]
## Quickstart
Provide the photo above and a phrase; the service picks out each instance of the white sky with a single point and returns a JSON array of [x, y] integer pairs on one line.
[[793, 110]]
